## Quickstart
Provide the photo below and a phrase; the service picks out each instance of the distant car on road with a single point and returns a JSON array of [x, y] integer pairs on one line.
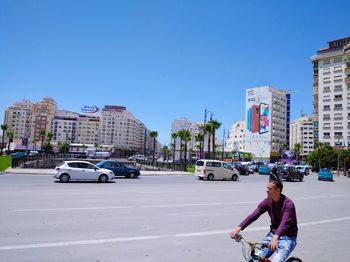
[[137, 157], [81, 170], [19, 154], [325, 174], [215, 169], [303, 169], [264, 170], [289, 173], [119, 169]]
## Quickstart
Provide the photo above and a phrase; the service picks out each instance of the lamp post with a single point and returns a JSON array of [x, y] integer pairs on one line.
[[223, 146], [205, 120], [338, 154]]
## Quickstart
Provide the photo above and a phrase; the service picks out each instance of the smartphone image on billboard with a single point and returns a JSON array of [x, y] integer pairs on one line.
[[264, 118], [249, 119], [255, 118]]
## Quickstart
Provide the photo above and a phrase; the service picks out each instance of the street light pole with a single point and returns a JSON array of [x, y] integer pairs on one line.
[[205, 120], [223, 146], [338, 156]]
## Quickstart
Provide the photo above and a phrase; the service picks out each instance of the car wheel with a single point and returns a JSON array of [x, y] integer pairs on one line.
[[64, 178], [103, 179], [132, 175], [301, 179], [234, 177], [210, 177]]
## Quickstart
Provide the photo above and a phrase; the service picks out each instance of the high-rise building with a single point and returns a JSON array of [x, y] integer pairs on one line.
[[331, 93], [88, 130], [236, 138], [267, 121], [302, 132], [42, 117], [18, 117], [121, 129], [65, 126], [185, 124]]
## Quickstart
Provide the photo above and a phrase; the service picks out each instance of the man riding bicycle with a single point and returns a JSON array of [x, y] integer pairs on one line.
[[282, 237]]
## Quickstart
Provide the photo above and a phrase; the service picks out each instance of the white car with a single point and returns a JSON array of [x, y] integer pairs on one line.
[[81, 170], [137, 157], [215, 169]]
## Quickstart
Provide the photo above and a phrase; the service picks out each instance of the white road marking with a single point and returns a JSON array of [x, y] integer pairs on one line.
[[169, 205], [140, 238]]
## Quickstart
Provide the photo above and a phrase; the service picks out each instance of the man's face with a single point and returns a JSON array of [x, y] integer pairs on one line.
[[272, 191]]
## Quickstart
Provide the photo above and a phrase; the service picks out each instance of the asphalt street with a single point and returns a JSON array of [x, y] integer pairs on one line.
[[165, 218]]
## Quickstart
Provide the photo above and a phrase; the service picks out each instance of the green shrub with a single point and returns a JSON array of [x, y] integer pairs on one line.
[[5, 162]]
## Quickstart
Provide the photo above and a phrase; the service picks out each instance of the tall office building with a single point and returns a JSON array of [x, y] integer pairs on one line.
[[267, 121], [331, 93], [302, 132]]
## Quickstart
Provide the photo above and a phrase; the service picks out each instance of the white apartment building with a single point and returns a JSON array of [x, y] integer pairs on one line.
[[121, 129], [65, 126], [88, 130], [332, 93], [18, 119], [302, 132], [267, 121], [193, 127], [236, 138]]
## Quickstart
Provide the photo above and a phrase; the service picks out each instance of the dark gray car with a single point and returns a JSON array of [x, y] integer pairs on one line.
[[119, 168]]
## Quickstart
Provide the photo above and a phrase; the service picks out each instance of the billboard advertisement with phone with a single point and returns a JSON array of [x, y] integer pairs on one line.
[[258, 121]]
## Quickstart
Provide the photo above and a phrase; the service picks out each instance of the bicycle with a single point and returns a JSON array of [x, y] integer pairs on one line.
[[251, 256]]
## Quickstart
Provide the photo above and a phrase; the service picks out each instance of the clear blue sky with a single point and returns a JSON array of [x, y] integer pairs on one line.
[[163, 59]]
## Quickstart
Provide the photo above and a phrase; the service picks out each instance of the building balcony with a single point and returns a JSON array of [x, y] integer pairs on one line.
[[326, 128], [326, 137], [338, 109], [338, 99], [338, 128], [338, 118]]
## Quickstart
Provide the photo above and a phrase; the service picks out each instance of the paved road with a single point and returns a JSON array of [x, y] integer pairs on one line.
[[167, 218]]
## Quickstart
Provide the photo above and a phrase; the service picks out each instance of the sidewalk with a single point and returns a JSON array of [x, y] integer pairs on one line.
[[43, 171]]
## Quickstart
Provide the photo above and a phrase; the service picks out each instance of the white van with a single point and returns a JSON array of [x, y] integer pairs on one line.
[[215, 169]]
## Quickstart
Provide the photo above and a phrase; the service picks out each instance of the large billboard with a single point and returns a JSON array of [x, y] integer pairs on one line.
[[258, 121]]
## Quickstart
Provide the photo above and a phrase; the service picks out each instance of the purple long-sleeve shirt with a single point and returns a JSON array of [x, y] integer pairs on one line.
[[282, 213]]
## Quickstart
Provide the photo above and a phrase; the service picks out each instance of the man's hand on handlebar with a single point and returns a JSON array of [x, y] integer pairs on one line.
[[235, 232]]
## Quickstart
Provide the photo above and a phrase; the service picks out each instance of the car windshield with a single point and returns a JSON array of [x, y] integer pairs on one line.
[[99, 164]]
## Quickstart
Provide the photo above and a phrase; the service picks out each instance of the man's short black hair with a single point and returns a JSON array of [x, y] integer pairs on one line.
[[277, 183]]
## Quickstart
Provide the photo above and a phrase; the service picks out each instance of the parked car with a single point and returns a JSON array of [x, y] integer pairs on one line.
[[137, 157], [243, 170], [119, 168], [289, 173], [303, 169], [215, 169], [264, 170], [19, 154], [325, 174], [81, 170]]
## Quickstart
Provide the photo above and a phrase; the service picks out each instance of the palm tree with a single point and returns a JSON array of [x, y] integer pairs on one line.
[[199, 138], [42, 135], [186, 137], [34, 143], [181, 136], [209, 130], [297, 148], [48, 142], [165, 152], [154, 134], [4, 128], [84, 146], [10, 138], [319, 145], [215, 125], [282, 147], [174, 136]]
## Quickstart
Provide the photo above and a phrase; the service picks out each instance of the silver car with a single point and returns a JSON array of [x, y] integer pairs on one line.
[[81, 170]]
